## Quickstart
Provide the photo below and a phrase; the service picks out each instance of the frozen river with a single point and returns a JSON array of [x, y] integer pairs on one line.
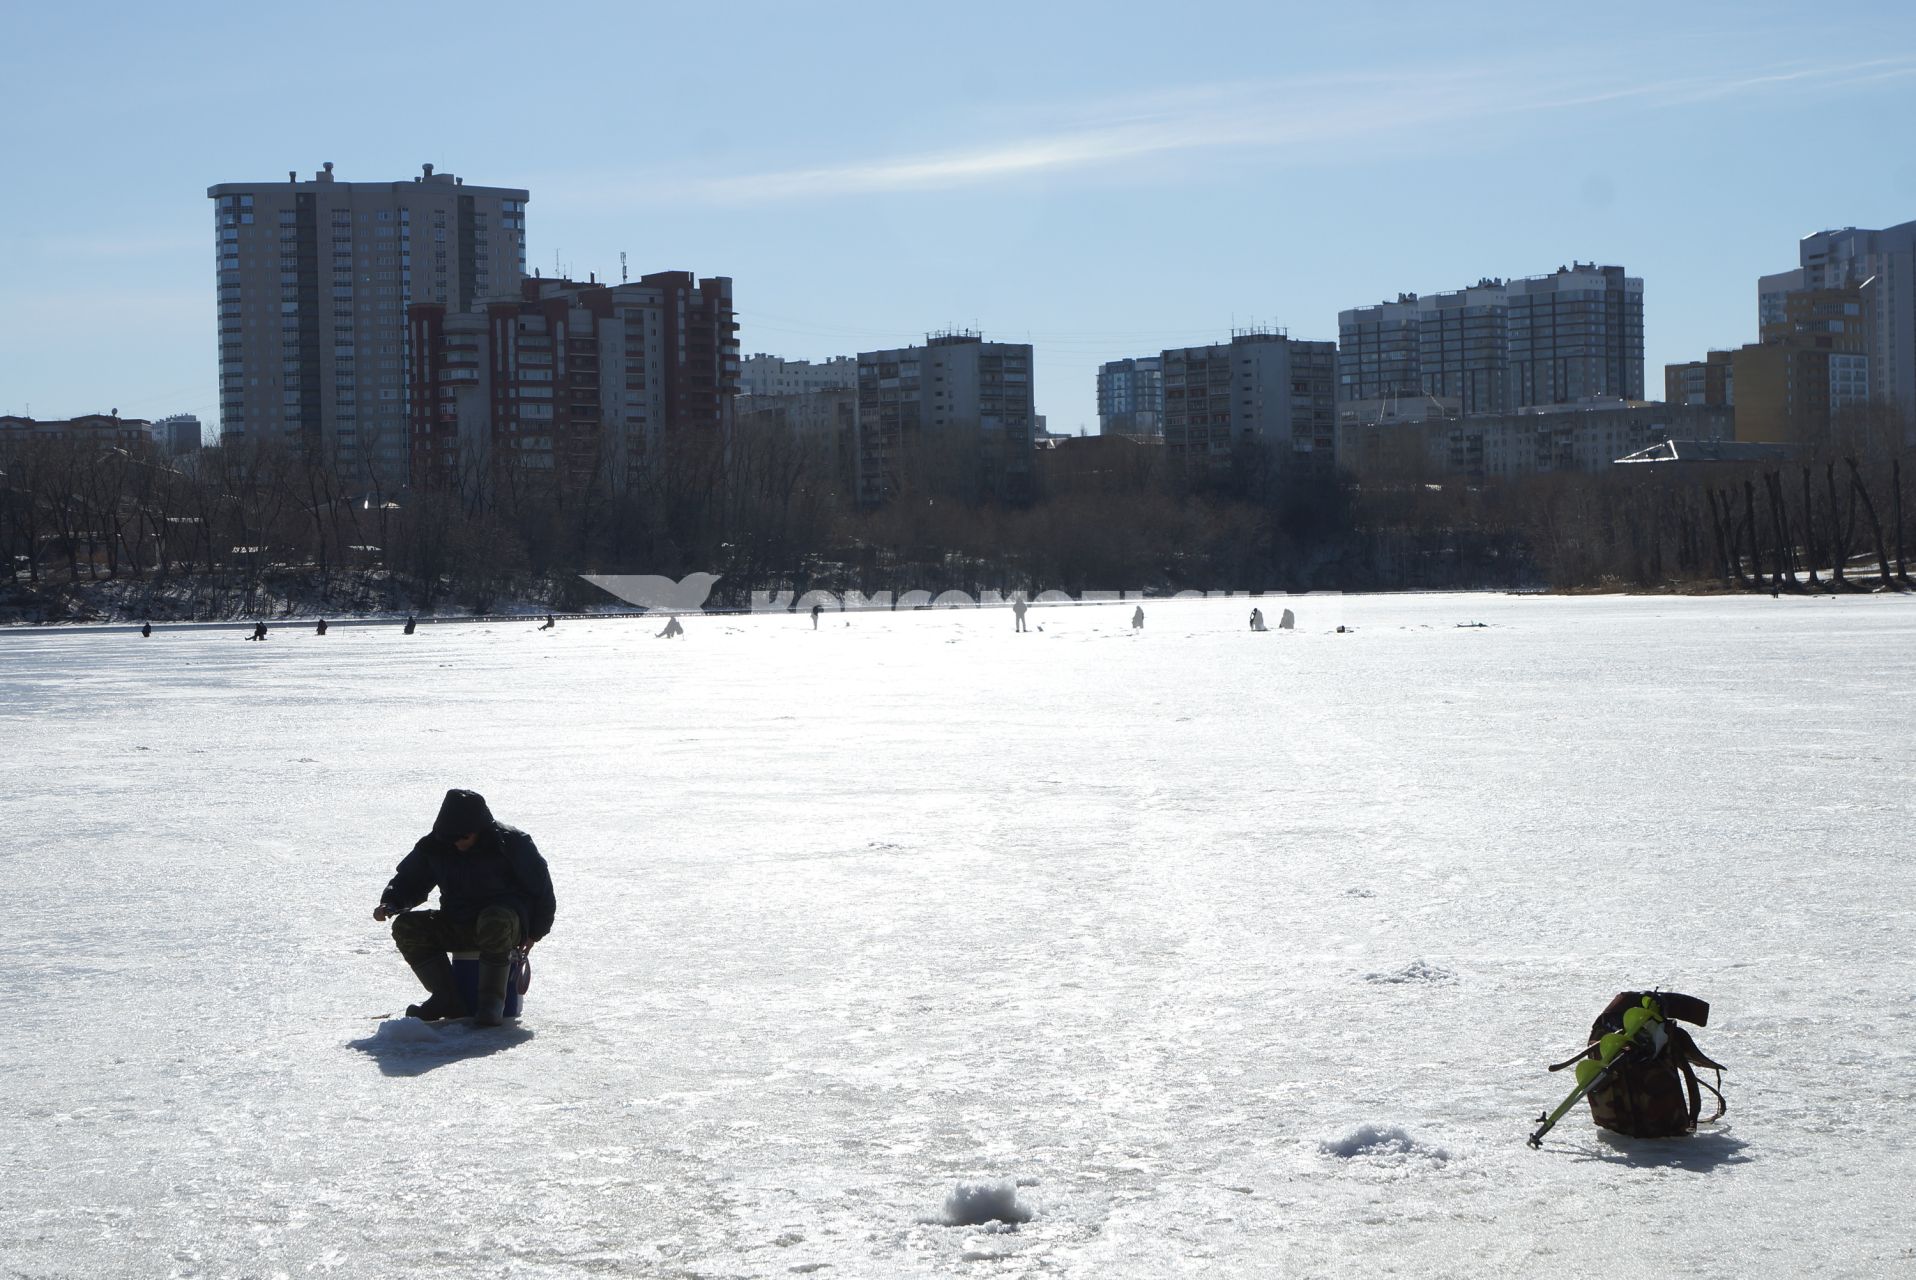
[[1162, 928]]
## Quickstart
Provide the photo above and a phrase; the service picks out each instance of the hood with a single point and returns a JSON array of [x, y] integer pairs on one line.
[[461, 813]]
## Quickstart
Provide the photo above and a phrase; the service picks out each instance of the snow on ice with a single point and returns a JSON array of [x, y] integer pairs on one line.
[[1248, 950], [972, 1204], [1415, 971], [1376, 1142]]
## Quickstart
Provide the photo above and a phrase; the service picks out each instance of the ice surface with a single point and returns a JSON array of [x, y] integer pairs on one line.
[[851, 917]]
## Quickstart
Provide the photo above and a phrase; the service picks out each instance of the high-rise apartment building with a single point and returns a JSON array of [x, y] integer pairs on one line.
[[1813, 363], [809, 404], [314, 280], [819, 425], [1463, 346], [1497, 346], [1852, 256], [1575, 335], [1709, 382], [1131, 398], [1771, 291], [1790, 394], [1378, 354], [804, 414], [577, 380], [763, 375], [1834, 317], [1260, 388], [955, 415]]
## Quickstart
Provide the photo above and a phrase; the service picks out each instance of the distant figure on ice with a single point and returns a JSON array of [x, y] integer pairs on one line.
[[1342, 630], [1018, 607], [146, 630], [495, 894], [259, 631], [550, 623], [1287, 621], [816, 610], [672, 628], [410, 624], [321, 628], [1257, 620], [1137, 618]]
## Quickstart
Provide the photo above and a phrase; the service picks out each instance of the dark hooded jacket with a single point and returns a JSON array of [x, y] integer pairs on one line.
[[502, 869]]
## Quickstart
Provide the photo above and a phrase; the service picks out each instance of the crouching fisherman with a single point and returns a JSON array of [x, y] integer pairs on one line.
[[495, 896]]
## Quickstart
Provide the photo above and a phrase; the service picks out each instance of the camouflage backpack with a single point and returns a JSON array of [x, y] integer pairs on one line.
[[1650, 1089]]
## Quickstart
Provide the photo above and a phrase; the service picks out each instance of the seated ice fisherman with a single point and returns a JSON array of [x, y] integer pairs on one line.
[[495, 894]]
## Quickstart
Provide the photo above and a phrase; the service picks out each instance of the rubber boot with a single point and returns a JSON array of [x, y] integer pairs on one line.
[[443, 1004], [492, 995], [435, 974]]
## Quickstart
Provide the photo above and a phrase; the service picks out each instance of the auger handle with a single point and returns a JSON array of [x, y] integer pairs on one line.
[[1549, 1122]]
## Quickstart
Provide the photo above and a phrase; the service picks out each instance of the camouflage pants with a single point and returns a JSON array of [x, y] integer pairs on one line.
[[422, 935]]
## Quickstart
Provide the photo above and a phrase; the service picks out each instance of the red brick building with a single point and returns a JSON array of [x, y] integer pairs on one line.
[[571, 379]]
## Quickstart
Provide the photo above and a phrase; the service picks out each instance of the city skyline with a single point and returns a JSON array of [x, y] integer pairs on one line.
[[1093, 195]]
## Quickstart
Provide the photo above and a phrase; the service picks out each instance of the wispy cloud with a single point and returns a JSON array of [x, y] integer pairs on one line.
[[1294, 116], [1840, 75]]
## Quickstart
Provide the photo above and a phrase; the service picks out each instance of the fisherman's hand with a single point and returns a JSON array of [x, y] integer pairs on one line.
[[382, 911]]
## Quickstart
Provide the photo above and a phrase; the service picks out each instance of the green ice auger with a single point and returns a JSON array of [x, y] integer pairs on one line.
[[1612, 1050]]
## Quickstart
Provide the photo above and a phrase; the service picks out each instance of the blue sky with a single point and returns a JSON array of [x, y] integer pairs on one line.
[[1100, 180]]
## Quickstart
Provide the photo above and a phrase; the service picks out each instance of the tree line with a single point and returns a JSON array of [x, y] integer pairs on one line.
[[768, 509]]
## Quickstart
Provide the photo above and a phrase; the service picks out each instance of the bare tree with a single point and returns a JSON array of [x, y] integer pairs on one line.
[[22, 468], [1719, 523], [1811, 552], [1876, 526], [1840, 529], [1896, 493], [1785, 575]]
